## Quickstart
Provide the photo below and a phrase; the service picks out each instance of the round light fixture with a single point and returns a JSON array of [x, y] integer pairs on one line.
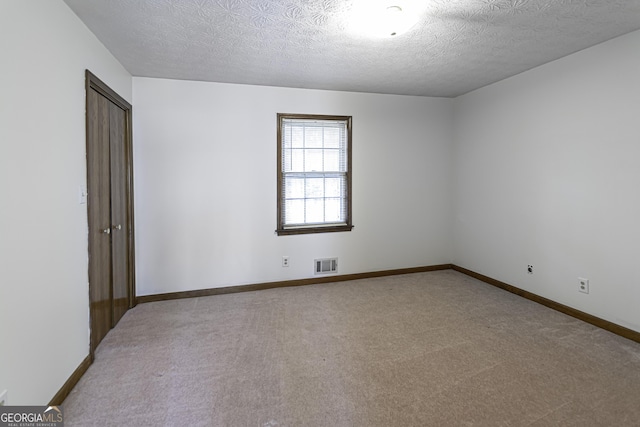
[[382, 18], [393, 19]]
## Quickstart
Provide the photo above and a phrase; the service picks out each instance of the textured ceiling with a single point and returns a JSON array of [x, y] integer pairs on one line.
[[457, 46]]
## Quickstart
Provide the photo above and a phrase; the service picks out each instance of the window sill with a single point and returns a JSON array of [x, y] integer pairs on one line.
[[313, 230]]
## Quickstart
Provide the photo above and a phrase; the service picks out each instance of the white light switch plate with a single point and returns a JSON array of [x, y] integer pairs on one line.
[[82, 195]]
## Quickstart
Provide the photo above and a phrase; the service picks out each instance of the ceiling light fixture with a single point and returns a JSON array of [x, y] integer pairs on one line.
[[382, 18], [394, 20]]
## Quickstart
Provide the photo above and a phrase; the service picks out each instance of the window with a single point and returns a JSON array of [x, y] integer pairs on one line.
[[314, 174]]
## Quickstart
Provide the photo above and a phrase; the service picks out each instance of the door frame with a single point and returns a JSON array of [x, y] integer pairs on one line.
[[94, 83]]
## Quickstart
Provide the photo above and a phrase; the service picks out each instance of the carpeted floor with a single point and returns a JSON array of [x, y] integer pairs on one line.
[[426, 349]]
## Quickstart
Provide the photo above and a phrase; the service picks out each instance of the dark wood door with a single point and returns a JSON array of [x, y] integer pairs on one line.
[[119, 222], [111, 278], [99, 206]]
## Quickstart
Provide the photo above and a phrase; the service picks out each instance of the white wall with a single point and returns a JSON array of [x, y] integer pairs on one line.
[[44, 308], [543, 171], [205, 184], [547, 173]]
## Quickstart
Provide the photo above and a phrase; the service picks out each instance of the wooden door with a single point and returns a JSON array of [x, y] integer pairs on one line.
[[119, 221], [99, 206], [110, 207]]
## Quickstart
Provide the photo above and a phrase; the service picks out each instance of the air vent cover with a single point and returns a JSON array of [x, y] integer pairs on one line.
[[325, 266]]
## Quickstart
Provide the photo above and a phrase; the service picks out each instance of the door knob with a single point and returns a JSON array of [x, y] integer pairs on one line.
[[107, 231], [117, 227]]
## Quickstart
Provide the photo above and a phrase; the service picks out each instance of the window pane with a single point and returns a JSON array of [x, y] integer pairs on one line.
[[297, 161], [332, 161], [297, 136], [315, 187], [286, 160], [294, 211], [294, 188], [332, 137], [313, 137], [332, 210], [315, 210], [332, 187], [286, 138], [313, 160]]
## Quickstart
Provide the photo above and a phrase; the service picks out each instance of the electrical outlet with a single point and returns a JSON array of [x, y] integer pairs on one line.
[[583, 285], [530, 269], [285, 261], [3, 398]]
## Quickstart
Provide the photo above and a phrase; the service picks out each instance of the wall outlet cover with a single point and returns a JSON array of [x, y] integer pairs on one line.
[[583, 285]]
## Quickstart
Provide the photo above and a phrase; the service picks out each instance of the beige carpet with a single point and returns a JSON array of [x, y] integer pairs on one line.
[[427, 349]]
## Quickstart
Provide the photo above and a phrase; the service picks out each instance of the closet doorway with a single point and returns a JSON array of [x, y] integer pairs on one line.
[[110, 208]]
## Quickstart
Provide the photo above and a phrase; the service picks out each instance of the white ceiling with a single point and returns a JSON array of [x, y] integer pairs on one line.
[[456, 47]]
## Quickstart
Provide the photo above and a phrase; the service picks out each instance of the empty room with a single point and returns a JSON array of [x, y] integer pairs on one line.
[[320, 213]]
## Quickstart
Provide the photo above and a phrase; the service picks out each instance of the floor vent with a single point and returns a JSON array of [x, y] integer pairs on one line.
[[326, 266]]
